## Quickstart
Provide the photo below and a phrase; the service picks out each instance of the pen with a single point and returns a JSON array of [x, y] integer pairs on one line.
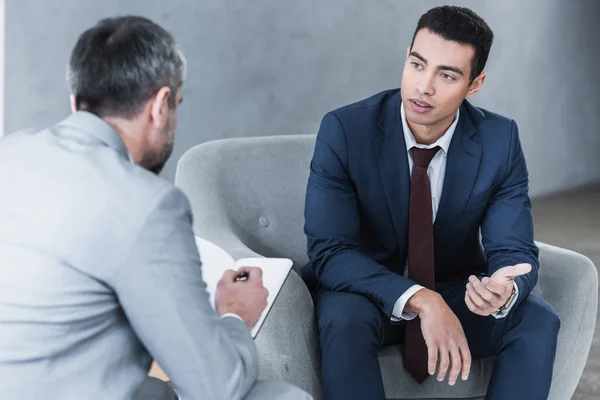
[[242, 276]]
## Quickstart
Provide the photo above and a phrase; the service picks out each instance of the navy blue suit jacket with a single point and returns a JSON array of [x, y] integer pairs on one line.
[[357, 200]]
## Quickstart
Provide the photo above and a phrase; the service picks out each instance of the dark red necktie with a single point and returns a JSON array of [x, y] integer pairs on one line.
[[420, 256]]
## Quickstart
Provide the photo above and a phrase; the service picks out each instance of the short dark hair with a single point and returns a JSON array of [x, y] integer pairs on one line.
[[460, 25], [118, 64]]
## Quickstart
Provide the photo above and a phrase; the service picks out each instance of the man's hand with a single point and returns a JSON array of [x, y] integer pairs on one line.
[[485, 297], [443, 334], [246, 298]]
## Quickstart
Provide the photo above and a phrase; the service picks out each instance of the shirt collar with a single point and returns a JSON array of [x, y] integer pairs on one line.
[[443, 142]]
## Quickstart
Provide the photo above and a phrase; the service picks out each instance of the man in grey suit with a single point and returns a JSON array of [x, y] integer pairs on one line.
[[99, 271]]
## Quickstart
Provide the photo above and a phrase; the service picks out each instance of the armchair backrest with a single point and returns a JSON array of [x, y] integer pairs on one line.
[[254, 187]]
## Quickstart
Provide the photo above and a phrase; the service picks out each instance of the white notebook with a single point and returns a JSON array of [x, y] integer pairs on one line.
[[215, 261]]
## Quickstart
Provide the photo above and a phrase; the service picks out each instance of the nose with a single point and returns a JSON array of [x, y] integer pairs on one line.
[[425, 86]]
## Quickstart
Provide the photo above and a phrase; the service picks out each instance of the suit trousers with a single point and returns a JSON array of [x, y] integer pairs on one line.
[[352, 330]]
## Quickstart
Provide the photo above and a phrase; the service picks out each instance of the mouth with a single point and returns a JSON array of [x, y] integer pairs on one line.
[[419, 105]]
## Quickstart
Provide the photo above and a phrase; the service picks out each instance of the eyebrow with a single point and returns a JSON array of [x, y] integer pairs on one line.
[[439, 67]]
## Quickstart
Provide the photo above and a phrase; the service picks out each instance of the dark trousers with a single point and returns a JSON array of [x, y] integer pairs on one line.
[[154, 389], [352, 330]]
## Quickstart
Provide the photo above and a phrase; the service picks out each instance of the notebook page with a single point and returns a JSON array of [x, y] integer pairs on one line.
[[215, 261]]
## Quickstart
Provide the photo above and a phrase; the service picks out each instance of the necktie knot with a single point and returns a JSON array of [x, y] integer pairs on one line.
[[422, 157]]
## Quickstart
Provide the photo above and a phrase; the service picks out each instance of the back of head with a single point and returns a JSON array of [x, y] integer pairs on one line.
[[460, 25], [117, 65]]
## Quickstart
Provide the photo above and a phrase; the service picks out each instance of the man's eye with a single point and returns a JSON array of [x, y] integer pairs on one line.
[[448, 77], [416, 65]]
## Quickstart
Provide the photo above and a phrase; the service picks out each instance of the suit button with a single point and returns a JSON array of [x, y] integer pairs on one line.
[[264, 221]]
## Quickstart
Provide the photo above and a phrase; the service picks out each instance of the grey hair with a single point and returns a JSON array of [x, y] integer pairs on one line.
[[120, 63]]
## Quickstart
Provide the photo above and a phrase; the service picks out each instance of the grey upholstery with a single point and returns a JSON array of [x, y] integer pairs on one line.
[[247, 196]]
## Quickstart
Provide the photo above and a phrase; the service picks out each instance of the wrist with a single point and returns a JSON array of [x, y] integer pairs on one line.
[[422, 301], [228, 309], [509, 300], [232, 314]]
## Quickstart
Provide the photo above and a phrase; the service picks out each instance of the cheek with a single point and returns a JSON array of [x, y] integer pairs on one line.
[[449, 95], [407, 77], [173, 120], [169, 130], [172, 132]]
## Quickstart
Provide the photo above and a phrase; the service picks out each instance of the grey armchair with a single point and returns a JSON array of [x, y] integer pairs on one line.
[[247, 196]]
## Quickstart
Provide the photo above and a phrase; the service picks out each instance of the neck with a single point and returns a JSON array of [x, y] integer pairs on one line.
[[130, 133], [429, 134]]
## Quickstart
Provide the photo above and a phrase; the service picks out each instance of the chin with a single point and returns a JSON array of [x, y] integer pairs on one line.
[[157, 169], [153, 166], [419, 119]]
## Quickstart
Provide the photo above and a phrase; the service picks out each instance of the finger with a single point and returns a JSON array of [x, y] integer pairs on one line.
[[432, 357], [472, 306], [481, 289], [492, 300], [229, 275], [456, 365], [469, 303], [493, 286], [510, 272], [500, 292], [466, 360], [522, 269], [263, 300], [255, 273], [483, 308], [475, 297], [444, 363], [474, 309], [504, 275]]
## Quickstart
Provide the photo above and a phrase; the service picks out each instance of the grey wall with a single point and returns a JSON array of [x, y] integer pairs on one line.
[[266, 67]]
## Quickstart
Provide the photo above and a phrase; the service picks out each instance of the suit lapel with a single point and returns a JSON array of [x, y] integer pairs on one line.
[[392, 161], [462, 167]]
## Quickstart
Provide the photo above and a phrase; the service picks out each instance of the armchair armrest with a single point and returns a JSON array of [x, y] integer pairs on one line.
[[288, 341], [569, 282]]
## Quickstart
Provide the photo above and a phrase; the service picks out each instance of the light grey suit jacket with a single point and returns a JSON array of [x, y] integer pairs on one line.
[[99, 273]]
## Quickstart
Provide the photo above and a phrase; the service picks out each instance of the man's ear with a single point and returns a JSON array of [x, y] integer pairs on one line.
[[159, 107], [72, 102], [476, 85]]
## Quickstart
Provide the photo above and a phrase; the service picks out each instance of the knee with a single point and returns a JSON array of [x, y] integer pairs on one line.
[[276, 390], [542, 319], [547, 320], [346, 322], [354, 316], [153, 388], [551, 321]]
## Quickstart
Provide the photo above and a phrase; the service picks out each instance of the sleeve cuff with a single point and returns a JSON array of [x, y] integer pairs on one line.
[[503, 313], [398, 313], [232, 315]]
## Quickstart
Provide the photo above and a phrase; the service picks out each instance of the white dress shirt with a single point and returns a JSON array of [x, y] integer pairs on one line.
[[436, 173]]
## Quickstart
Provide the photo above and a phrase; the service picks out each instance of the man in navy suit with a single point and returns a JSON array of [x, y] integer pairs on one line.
[[401, 186]]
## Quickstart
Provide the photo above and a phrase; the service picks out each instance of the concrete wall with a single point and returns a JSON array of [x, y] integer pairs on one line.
[[266, 67]]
